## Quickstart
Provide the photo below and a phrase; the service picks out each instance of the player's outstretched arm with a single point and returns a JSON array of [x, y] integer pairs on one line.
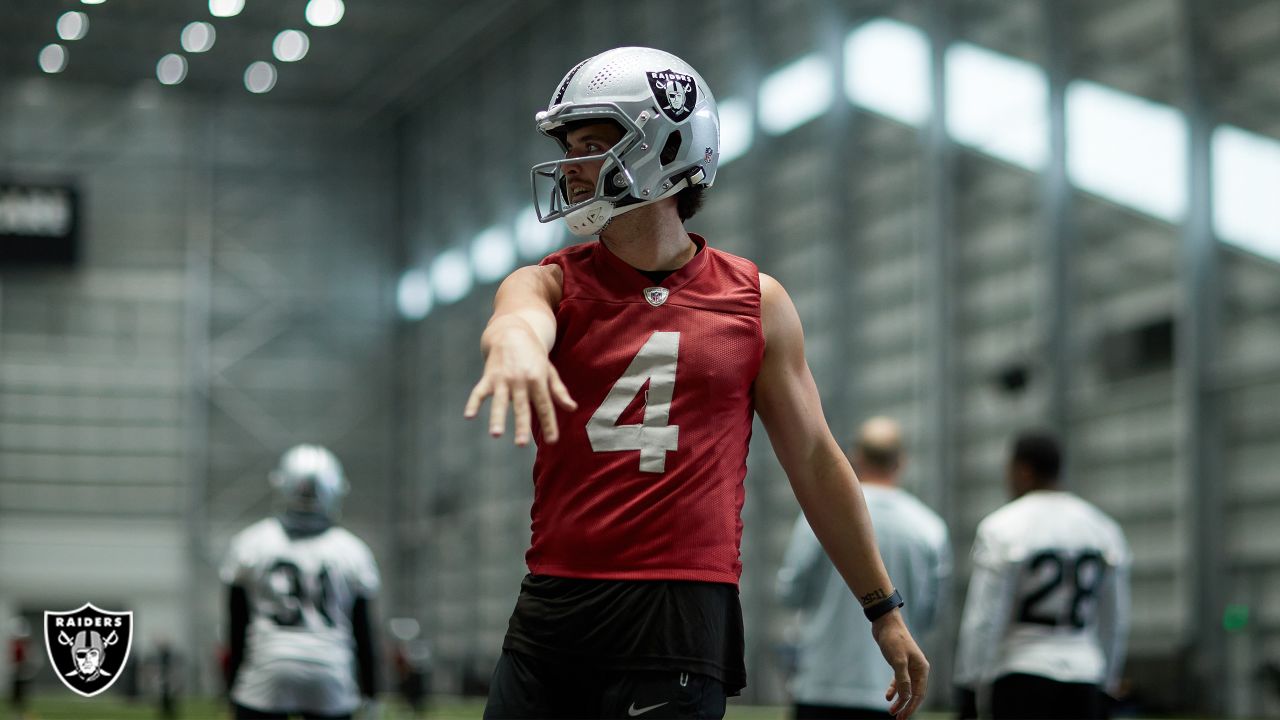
[[516, 342], [825, 485]]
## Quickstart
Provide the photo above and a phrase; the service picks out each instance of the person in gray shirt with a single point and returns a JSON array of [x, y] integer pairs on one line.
[[840, 671]]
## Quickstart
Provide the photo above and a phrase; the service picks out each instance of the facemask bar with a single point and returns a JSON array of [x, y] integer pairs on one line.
[[552, 172]]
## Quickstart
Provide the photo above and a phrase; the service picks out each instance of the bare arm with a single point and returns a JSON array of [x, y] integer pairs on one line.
[[516, 343], [825, 485]]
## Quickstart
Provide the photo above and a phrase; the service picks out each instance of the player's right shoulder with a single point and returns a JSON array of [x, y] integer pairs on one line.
[[542, 282], [544, 274]]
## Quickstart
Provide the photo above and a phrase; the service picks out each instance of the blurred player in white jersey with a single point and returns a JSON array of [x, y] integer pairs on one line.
[[841, 674], [1046, 619], [300, 594]]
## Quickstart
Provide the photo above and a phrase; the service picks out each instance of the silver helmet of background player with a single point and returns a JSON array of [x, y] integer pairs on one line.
[[670, 141], [309, 484]]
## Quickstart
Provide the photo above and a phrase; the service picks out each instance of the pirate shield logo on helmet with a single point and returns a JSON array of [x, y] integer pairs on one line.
[[675, 92], [88, 647]]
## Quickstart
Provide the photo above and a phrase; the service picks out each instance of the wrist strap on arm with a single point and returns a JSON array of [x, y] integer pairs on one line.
[[884, 607]]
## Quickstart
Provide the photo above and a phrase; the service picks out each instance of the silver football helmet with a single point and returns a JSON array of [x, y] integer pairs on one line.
[[309, 482], [670, 141]]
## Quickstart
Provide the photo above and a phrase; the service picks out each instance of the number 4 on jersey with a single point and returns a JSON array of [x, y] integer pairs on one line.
[[654, 438]]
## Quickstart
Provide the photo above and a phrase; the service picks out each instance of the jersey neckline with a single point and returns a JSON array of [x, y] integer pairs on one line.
[[631, 281]]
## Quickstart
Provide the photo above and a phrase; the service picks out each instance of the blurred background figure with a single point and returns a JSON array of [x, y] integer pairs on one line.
[[22, 665], [165, 672], [300, 591], [840, 672], [1046, 620], [411, 658]]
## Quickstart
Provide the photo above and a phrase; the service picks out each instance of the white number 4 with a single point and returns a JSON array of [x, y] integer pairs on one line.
[[654, 438]]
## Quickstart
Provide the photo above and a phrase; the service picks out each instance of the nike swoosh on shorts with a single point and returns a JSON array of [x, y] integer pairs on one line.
[[634, 711]]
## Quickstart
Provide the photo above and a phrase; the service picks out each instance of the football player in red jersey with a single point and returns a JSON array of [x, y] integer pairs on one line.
[[643, 357]]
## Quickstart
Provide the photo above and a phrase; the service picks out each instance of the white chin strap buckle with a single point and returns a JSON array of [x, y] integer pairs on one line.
[[589, 220]]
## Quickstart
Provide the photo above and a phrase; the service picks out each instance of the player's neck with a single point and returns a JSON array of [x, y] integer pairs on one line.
[[650, 238]]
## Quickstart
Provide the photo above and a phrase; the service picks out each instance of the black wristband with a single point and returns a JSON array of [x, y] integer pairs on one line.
[[884, 607]]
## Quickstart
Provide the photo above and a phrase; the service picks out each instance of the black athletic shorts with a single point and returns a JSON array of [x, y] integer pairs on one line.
[[1032, 697], [528, 687]]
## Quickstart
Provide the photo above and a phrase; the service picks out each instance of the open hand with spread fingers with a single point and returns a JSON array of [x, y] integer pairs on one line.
[[519, 376]]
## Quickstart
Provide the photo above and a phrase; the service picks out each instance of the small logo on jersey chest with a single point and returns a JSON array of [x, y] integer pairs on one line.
[[656, 295]]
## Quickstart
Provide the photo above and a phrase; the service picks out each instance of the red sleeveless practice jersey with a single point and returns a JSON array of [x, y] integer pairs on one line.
[[646, 480]]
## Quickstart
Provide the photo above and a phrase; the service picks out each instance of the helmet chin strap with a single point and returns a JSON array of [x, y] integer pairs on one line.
[[592, 219]]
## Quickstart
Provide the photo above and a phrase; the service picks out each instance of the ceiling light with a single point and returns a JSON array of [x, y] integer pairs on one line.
[[735, 130], [795, 94], [323, 13], [413, 295], [887, 70], [225, 8], [72, 25], [535, 239], [290, 46], [93, 2], [450, 276], [260, 77], [172, 69], [53, 58], [493, 254], [1127, 149], [198, 37], [1246, 173], [998, 105]]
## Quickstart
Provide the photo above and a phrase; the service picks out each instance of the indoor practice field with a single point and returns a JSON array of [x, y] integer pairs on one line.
[[640, 358]]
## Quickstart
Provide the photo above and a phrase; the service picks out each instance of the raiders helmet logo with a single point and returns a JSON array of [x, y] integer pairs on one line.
[[656, 295], [675, 92], [88, 647]]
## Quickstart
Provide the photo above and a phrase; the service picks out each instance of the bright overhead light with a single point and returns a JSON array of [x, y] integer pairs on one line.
[[323, 13], [887, 70], [225, 8], [53, 58], [290, 46], [413, 295], [198, 37], [493, 254], [1127, 149], [172, 69], [72, 25], [736, 130], [93, 2], [450, 276], [795, 94], [1246, 173], [260, 77], [998, 105], [534, 238]]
